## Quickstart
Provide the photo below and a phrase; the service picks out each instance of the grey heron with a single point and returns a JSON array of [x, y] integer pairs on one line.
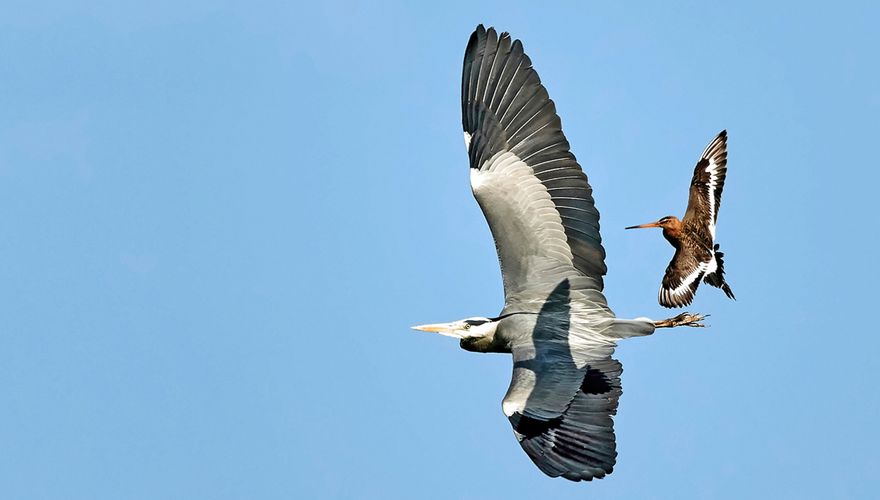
[[555, 322]]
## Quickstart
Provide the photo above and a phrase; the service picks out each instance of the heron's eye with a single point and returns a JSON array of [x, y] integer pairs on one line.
[[467, 326]]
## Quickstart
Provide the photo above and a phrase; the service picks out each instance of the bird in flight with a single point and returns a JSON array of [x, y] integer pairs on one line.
[[555, 322], [696, 253]]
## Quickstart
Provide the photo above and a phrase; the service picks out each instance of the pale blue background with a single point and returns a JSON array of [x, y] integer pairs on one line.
[[220, 220]]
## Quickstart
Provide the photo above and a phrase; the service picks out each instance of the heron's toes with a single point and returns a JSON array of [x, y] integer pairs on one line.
[[683, 319], [692, 320]]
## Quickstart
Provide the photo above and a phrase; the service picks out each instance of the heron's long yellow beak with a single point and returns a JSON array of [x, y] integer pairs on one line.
[[439, 327], [650, 224], [447, 329]]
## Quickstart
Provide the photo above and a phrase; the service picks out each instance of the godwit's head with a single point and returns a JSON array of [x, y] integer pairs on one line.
[[669, 222]]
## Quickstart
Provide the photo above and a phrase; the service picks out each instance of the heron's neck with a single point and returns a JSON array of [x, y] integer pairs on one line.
[[484, 344], [489, 341]]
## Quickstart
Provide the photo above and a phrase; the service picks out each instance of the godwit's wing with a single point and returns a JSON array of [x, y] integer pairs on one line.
[[705, 193], [699, 230], [540, 209], [688, 266]]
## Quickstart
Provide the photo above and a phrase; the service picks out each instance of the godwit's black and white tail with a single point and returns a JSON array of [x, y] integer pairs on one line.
[[716, 278]]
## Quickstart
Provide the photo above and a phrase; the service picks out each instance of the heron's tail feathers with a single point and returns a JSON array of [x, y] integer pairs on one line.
[[716, 278]]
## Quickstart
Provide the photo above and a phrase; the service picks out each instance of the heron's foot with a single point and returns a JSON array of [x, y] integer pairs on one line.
[[683, 319]]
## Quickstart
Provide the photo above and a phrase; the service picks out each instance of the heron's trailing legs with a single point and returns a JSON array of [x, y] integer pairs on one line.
[[683, 319]]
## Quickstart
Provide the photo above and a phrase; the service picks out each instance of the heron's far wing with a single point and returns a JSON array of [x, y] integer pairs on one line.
[[534, 194], [577, 443], [565, 385], [706, 186], [683, 277]]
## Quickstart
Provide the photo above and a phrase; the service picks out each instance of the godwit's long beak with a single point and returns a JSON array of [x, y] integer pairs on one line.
[[650, 224]]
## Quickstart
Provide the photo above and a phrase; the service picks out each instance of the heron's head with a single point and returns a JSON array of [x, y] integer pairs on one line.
[[476, 334], [668, 222], [462, 329]]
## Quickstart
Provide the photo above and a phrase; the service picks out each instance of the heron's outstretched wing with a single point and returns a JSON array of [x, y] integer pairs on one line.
[[579, 444], [566, 386], [534, 194], [706, 186]]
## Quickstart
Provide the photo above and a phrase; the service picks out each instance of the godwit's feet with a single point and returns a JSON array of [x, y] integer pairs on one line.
[[683, 319]]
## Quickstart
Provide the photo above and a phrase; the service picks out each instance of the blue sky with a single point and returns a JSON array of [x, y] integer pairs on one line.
[[220, 221]]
